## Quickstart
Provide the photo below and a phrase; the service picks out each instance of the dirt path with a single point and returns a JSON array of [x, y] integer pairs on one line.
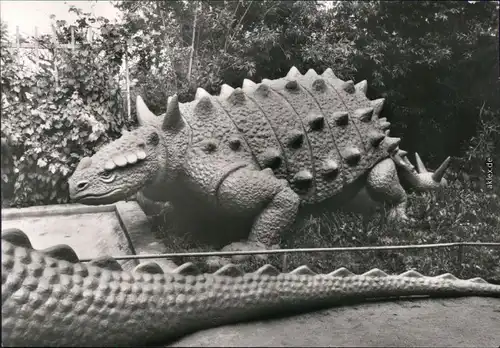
[[461, 322]]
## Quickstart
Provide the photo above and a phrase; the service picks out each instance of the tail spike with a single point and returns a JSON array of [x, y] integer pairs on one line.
[[420, 165], [362, 87], [230, 270], [62, 252], [303, 270], [385, 125], [399, 161], [267, 270], [439, 173], [364, 114], [107, 262], [311, 73], [187, 268], [447, 276], [407, 161], [376, 138], [17, 237], [328, 73], [200, 93], [378, 105], [402, 153], [294, 72], [341, 272], [225, 91], [411, 274], [392, 143], [248, 84], [375, 273], [148, 267]]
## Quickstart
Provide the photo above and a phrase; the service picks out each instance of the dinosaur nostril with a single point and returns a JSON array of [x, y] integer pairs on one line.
[[82, 185]]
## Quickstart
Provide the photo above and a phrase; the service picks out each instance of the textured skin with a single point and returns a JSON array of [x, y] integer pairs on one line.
[[54, 302], [257, 153]]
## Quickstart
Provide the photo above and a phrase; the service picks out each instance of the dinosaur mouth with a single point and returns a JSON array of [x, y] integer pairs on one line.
[[97, 199]]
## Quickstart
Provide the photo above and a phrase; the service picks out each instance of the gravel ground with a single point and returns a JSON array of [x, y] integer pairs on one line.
[[453, 322]]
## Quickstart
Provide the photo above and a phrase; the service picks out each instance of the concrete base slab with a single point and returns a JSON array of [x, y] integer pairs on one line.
[[92, 231], [452, 322]]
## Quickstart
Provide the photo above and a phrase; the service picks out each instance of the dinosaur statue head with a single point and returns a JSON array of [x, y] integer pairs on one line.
[[136, 160], [420, 178]]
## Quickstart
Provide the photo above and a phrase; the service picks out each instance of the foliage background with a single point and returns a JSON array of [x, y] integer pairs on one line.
[[435, 62], [50, 120]]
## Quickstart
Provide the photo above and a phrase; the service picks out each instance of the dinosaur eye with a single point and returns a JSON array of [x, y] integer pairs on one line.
[[107, 176]]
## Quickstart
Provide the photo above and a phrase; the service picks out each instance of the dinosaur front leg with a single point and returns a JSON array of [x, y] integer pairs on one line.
[[382, 184], [273, 203]]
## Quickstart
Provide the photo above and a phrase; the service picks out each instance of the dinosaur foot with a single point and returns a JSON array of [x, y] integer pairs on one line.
[[218, 261]]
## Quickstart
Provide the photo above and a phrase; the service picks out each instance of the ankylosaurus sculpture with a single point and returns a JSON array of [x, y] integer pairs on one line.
[[257, 155]]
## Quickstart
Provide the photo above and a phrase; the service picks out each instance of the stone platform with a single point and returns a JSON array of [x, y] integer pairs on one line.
[[92, 231]]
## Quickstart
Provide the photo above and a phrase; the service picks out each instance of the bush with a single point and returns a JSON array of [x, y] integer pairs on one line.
[[53, 120]]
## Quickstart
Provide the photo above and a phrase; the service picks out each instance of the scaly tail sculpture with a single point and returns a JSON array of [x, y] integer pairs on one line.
[[50, 298]]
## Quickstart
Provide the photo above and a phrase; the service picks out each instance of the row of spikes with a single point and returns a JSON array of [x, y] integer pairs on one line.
[[401, 159], [235, 96], [366, 114], [66, 253]]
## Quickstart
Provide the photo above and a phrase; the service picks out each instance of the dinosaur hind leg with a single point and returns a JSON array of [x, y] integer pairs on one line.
[[260, 193], [382, 184]]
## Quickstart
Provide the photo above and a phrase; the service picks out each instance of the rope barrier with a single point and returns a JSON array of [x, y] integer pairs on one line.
[[304, 250]]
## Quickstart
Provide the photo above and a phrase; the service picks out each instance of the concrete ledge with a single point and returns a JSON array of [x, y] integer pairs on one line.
[[135, 223], [57, 209], [92, 231]]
